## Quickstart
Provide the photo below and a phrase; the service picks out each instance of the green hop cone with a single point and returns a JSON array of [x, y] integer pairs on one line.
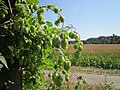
[[16, 25], [31, 7], [57, 22], [81, 43], [61, 18], [49, 75], [80, 48], [67, 77], [41, 32], [56, 42], [40, 11], [40, 18], [64, 43], [61, 60], [24, 29], [84, 81], [58, 80], [54, 75], [21, 21], [32, 29], [38, 47], [29, 43], [77, 40], [35, 7], [49, 6], [73, 35], [75, 46], [62, 35], [64, 72], [57, 10], [2, 15], [42, 22], [77, 54], [67, 65]]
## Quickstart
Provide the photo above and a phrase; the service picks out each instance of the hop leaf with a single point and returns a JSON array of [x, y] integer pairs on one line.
[[2, 59], [32, 1]]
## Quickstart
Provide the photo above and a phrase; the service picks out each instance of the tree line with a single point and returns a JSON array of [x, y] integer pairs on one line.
[[114, 39]]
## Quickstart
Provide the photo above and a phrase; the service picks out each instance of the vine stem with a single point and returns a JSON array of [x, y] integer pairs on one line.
[[10, 13], [4, 6], [62, 24], [10, 6], [34, 11]]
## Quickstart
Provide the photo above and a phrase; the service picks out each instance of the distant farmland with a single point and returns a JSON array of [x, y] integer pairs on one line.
[[97, 47]]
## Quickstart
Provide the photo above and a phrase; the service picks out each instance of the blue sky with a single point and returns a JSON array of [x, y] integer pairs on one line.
[[92, 18]]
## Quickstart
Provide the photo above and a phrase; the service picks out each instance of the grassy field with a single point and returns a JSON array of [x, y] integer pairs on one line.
[[105, 56]]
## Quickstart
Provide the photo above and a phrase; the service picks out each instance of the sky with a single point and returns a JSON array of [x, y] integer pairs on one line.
[[91, 18]]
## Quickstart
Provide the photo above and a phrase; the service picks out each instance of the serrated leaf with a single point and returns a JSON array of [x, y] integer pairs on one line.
[[2, 59], [32, 1]]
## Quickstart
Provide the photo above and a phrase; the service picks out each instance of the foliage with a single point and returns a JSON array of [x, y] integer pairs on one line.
[[109, 86], [28, 43], [114, 39], [104, 59], [3, 61]]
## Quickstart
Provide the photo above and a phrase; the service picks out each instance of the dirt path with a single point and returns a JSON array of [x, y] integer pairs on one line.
[[97, 79], [93, 79]]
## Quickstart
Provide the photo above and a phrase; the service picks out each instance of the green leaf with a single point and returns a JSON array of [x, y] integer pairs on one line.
[[1, 1], [33, 1], [2, 59], [52, 29], [66, 33], [48, 64], [1, 66], [47, 61], [49, 24], [11, 48]]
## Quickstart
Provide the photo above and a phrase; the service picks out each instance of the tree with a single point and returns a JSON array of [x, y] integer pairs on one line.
[[28, 42], [114, 39]]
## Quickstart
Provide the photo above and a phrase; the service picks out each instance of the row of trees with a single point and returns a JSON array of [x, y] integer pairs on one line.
[[114, 39]]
